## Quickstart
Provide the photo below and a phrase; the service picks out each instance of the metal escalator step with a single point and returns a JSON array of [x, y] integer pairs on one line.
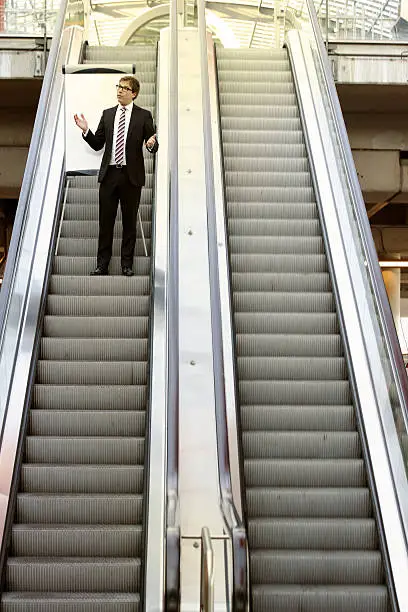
[[259, 111], [101, 305], [315, 598], [253, 345], [279, 323], [78, 509], [90, 229], [274, 227], [283, 302], [90, 212], [94, 349], [273, 99], [250, 150], [71, 602], [73, 574], [71, 478], [251, 54], [325, 369], [313, 534], [106, 285], [83, 266], [267, 179], [281, 83], [260, 137], [88, 246], [266, 164], [269, 73], [90, 196], [300, 445], [278, 263], [298, 418], [304, 472], [91, 182], [330, 502], [97, 397], [87, 423], [296, 392], [91, 373], [100, 327], [90, 450], [281, 282], [226, 65], [316, 567], [255, 211], [76, 540], [282, 245], [270, 194], [269, 124], [104, 54]]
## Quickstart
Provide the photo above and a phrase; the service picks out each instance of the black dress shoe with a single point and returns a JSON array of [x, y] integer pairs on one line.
[[99, 272], [127, 271]]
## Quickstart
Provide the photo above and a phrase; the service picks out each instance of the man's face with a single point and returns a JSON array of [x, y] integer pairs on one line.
[[125, 94]]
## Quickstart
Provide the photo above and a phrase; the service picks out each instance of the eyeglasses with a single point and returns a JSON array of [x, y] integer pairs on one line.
[[123, 88]]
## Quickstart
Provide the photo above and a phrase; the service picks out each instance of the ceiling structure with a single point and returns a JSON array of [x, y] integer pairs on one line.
[[235, 22]]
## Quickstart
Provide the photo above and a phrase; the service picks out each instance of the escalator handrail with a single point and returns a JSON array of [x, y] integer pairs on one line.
[[373, 269], [30, 168], [172, 571], [233, 522]]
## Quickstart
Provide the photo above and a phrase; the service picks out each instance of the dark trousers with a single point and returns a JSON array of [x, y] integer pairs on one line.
[[116, 188]]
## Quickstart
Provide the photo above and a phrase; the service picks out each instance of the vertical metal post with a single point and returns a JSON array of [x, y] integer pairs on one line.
[[207, 572]]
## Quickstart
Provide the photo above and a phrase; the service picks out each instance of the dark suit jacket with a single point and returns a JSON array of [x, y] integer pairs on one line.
[[140, 129]]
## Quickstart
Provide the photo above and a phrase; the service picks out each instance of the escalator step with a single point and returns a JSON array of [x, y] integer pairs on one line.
[[287, 263], [94, 349], [271, 194], [90, 229], [78, 509], [93, 306], [305, 472], [313, 598], [91, 373], [323, 502], [316, 567], [87, 246], [71, 602], [100, 327], [82, 266], [90, 196], [72, 574], [298, 418], [314, 534], [105, 285], [300, 445], [76, 540], [97, 397], [283, 302], [90, 212], [266, 164], [279, 323], [274, 227], [251, 345], [281, 283], [82, 478], [87, 423], [91, 450], [282, 245], [296, 392]]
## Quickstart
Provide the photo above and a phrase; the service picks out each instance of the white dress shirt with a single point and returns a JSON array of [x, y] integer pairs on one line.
[[128, 111]]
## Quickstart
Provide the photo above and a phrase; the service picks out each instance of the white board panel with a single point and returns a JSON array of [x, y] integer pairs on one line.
[[87, 94]]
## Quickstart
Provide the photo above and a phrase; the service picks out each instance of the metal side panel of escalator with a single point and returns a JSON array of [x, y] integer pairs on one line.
[[313, 539], [78, 539]]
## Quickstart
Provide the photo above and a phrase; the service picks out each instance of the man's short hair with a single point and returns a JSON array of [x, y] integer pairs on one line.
[[133, 83]]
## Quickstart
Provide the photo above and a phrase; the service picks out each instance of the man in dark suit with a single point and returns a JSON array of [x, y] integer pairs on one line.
[[122, 130]]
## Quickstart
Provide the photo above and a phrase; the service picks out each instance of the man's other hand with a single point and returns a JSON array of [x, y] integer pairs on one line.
[[81, 122], [151, 142]]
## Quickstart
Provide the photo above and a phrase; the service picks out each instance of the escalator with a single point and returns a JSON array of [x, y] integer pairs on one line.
[[313, 538], [77, 540]]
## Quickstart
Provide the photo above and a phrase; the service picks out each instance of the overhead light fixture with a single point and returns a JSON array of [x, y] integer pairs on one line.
[[393, 263]]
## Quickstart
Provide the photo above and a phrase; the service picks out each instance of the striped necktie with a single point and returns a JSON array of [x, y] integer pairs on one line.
[[120, 139]]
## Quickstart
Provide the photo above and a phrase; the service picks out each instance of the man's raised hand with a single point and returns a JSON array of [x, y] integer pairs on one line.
[[81, 122]]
